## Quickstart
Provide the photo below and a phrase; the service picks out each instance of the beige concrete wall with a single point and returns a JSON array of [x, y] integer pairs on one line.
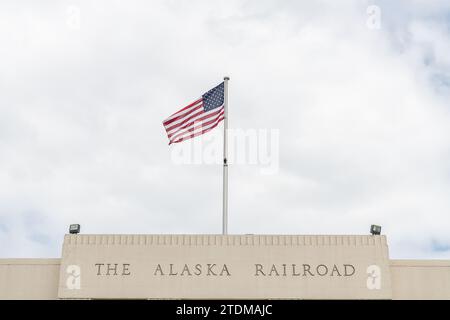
[[243, 267], [41, 278], [420, 279], [29, 278]]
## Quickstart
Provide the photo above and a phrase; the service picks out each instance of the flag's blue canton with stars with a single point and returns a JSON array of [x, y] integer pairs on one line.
[[213, 98]]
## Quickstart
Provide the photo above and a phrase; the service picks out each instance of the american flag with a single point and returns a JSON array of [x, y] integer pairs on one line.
[[197, 118]]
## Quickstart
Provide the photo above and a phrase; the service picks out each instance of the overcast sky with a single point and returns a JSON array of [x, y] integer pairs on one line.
[[361, 103]]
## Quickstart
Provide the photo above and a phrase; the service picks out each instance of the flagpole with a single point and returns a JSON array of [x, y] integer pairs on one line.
[[225, 160]]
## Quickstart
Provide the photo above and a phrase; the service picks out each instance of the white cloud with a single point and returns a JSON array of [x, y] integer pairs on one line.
[[363, 118]]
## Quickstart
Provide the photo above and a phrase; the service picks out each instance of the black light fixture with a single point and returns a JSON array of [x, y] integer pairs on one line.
[[375, 230], [74, 228]]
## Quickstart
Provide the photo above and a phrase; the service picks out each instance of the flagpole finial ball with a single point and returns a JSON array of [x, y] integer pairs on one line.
[[226, 78]]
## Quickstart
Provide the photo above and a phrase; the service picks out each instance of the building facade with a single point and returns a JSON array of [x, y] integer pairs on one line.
[[224, 267]]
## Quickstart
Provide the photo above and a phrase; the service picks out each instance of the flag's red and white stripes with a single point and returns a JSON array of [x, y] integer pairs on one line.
[[192, 121]]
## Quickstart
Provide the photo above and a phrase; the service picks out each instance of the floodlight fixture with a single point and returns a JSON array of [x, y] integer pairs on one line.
[[74, 228], [375, 230]]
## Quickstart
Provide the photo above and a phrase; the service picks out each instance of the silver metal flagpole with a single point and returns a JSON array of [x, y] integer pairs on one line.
[[225, 160]]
